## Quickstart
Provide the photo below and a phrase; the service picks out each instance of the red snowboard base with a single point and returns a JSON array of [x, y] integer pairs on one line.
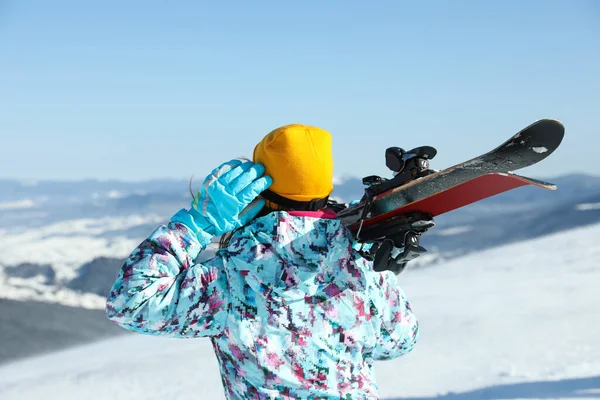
[[461, 195]]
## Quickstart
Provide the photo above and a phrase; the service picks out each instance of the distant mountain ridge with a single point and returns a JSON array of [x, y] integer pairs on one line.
[[117, 197]]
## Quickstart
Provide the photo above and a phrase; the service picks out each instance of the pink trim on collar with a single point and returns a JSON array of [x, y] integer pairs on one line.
[[324, 214]]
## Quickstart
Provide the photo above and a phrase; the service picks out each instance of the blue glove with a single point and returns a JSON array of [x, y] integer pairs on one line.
[[227, 199]]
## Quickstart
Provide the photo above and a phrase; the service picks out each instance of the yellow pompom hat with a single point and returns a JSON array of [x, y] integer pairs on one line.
[[300, 161]]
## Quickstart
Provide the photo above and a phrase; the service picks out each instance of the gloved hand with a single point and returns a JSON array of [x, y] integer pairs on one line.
[[227, 199]]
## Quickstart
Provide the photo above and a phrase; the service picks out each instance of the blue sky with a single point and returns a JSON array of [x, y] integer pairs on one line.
[[137, 90]]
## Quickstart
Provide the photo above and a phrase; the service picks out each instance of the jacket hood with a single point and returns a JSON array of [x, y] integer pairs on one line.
[[297, 256]]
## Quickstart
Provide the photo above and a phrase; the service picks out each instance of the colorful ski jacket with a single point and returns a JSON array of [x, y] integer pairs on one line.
[[293, 311]]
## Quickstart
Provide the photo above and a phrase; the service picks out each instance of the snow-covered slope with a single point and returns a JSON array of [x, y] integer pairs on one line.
[[63, 247], [516, 322]]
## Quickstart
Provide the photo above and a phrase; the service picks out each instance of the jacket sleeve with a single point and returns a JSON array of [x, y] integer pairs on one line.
[[398, 328], [160, 290]]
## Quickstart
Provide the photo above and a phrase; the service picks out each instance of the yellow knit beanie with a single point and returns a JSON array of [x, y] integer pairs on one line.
[[300, 161]]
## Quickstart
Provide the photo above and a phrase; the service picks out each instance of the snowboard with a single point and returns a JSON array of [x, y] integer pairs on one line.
[[439, 192]]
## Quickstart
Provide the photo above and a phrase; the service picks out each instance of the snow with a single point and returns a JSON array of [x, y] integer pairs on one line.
[[539, 150], [66, 245], [587, 206], [338, 180], [473, 163], [17, 205], [27, 289], [515, 322], [455, 230], [115, 194]]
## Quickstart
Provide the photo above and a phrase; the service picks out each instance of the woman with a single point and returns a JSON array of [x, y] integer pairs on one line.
[[293, 311]]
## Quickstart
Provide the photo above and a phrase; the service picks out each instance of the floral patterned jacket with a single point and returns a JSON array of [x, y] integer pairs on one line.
[[293, 311]]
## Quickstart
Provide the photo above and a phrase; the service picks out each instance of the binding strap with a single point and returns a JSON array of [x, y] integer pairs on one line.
[[313, 205]]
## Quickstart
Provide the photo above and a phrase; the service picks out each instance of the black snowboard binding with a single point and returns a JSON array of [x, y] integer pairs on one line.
[[406, 166], [396, 242]]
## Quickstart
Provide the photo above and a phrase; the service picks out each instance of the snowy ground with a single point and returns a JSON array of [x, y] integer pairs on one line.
[[65, 245], [517, 322]]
